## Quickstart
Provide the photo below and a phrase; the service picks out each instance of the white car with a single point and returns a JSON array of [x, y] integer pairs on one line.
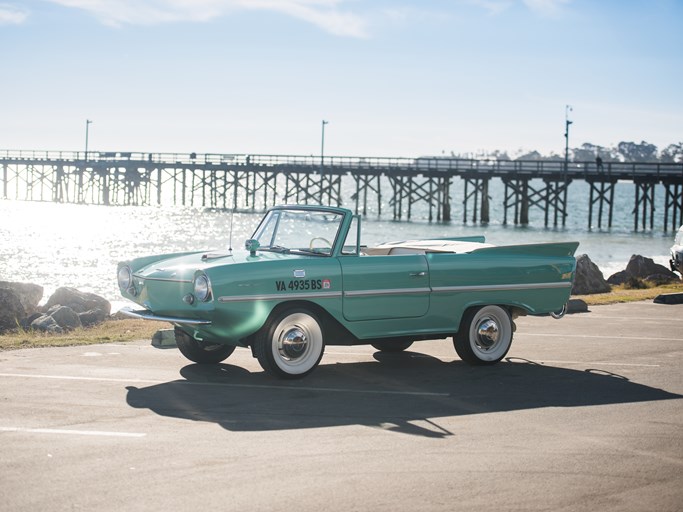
[[676, 261]]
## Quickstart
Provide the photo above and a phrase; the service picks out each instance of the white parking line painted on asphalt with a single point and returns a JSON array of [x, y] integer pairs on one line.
[[597, 337], [598, 316], [225, 384], [70, 432], [597, 363], [69, 377]]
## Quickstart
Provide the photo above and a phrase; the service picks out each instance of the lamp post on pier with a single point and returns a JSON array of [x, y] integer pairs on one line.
[[88, 122], [562, 203], [322, 144], [567, 122]]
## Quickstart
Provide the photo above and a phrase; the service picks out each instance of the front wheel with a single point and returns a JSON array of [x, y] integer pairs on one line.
[[200, 352], [485, 335], [291, 345]]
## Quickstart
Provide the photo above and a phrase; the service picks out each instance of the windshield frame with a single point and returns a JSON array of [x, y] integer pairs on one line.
[[266, 233]]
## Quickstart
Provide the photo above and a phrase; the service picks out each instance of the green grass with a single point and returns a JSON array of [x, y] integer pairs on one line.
[[110, 331], [623, 294]]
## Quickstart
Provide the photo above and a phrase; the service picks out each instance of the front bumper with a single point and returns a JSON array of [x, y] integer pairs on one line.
[[145, 314]]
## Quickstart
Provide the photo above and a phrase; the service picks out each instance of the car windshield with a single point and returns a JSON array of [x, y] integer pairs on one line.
[[299, 231]]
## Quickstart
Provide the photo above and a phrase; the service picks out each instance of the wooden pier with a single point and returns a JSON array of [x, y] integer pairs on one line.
[[427, 185]]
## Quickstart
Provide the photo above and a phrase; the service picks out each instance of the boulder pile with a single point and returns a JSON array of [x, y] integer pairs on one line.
[[66, 309], [640, 272]]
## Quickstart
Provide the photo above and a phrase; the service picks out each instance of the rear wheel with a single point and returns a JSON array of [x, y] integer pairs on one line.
[[199, 351], [485, 335], [291, 345], [392, 345]]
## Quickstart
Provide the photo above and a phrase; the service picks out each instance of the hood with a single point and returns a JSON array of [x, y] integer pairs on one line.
[[183, 266]]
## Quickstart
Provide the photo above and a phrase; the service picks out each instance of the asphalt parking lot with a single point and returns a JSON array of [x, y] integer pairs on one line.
[[586, 413]]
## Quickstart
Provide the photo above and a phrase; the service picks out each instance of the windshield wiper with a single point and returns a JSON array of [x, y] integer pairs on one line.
[[275, 248], [310, 252]]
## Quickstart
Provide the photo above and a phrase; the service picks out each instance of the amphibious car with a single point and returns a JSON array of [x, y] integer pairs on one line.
[[304, 280]]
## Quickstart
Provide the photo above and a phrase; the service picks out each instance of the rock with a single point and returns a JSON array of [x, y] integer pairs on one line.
[[659, 279], [26, 322], [640, 267], [164, 338], [619, 278], [669, 298], [576, 306], [635, 283], [12, 312], [93, 317], [77, 300], [46, 323], [29, 294], [119, 316], [65, 317], [588, 278]]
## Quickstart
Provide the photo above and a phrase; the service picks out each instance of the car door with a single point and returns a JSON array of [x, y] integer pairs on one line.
[[385, 287]]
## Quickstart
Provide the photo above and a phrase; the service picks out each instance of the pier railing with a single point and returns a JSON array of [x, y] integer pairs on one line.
[[349, 163]]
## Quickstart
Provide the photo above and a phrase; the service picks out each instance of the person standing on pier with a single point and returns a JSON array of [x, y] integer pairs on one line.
[[598, 163]]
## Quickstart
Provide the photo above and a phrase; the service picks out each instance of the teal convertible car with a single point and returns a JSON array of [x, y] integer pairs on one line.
[[305, 281]]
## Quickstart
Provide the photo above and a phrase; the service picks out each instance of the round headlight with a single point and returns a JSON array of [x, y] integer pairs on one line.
[[202, 288], [125, 277]]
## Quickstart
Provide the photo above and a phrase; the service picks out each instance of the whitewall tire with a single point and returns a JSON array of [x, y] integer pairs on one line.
[[291, 345], [485, 335]]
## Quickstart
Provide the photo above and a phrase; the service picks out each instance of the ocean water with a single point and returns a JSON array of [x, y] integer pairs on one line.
[[57, 245]]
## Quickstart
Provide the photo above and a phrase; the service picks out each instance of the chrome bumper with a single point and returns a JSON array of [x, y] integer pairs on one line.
[[148, 315]]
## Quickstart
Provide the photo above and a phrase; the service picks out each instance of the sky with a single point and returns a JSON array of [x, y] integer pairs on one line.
[[391, 77]]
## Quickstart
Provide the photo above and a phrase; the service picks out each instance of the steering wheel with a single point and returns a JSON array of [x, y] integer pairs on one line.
[[310, 245]]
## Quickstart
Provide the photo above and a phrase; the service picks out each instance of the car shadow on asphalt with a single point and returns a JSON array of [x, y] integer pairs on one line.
[[402, 392]]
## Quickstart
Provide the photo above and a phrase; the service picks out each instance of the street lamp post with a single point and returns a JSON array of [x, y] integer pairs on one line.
[[88, 122], [567, 122], [322, 144]]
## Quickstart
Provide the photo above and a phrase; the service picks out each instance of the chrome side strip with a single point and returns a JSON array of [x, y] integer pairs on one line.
[[148, 315], [500, 287], [393, 291], [162, 279], [281, 296], [388, 291]]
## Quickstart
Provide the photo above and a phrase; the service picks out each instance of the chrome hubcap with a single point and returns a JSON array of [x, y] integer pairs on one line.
[[487, 333], [292, 343]]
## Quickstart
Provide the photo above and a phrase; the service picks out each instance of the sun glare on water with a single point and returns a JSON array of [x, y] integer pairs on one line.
[[57, 245]]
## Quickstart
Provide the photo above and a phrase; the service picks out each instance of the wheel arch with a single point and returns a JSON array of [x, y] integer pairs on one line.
[[333, 331], [515, 310]]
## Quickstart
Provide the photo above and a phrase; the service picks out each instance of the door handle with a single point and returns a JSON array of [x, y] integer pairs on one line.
[[418, 274]]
